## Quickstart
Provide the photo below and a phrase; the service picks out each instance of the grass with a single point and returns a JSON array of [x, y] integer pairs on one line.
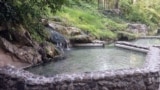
[[87, 17], [90, 20]]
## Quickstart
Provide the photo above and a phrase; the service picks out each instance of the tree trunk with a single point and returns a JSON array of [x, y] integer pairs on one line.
[[100, 4], [134, 1], [108, 4], [117, 4]]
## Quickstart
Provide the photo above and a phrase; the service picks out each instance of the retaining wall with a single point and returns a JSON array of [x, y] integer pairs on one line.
[[149, 37], [130, 46], [145, 78]]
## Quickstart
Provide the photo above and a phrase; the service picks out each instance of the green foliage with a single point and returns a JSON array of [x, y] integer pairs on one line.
[[86, 17], [27, 12], [143, 11], [83, 14], [130, 36]]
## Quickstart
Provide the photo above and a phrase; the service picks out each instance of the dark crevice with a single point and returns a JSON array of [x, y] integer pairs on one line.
[[7, 35]]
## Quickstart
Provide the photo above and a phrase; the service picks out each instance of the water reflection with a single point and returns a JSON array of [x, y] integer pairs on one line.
[[93, 59]]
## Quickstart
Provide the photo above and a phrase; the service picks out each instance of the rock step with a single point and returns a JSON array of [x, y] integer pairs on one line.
[[149, 37], [130, 46]]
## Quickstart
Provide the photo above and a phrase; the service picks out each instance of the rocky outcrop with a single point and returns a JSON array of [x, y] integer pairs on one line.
[[48, 51], [24, 53], [17, 42], [9, 59], [21, 35], [75, 34], [73, 31], [112, 12], [133, 31], [81, 39], [32, 55], [58, 27], [140, 29], [125, 36]]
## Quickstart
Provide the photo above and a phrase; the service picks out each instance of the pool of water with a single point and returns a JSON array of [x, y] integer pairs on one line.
[[147, 42], [92, 59]]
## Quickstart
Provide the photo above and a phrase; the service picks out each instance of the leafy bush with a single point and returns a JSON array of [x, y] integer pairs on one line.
[[27, 12], [143, 11], [86, 17]]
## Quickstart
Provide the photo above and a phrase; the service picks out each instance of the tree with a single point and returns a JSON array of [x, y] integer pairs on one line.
[[100, 4], [26, 12], [108, 4], [117, 4]]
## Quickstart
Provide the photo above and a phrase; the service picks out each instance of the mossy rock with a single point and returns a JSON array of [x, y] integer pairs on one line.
[[122, 35]]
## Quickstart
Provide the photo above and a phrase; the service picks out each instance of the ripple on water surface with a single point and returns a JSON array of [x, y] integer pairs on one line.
[[95, 59]]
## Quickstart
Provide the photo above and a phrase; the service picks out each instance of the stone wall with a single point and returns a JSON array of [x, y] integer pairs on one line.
[[145, 78], [131, 46]]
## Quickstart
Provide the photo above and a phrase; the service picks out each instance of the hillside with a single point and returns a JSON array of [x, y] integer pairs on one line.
[[35, 31], [106, 23]]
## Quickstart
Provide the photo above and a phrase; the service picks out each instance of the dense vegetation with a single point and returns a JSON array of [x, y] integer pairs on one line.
[[28, 13], [143, 11], [84, 14]]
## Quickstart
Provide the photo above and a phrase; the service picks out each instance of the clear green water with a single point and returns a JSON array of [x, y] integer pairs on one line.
[[92, 59]]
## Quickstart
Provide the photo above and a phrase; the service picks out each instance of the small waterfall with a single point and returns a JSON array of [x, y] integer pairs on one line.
[[59, 40], [68, 48], [67, 44], [59, 47]]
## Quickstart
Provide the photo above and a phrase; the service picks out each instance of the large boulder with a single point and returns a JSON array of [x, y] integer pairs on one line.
[[73, 31], [81, 39], [58, 27], [139, 29]]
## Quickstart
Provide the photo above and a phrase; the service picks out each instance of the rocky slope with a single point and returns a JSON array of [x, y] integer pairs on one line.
[[18, 44], [21, 50]]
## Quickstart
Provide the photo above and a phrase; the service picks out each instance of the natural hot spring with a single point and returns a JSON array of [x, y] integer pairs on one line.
[[92, 59]]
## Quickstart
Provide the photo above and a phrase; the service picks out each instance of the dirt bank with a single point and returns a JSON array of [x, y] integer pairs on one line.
[[8, 59]]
